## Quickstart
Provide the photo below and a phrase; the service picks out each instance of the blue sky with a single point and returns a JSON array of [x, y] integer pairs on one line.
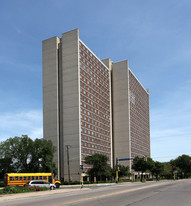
[[153, 35]]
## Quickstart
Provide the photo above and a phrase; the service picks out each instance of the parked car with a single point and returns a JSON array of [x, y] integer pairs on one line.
[[40, 183]]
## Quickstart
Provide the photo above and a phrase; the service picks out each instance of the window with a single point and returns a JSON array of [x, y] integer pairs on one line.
[[11, 178]]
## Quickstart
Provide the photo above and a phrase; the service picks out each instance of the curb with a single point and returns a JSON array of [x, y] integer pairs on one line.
[[36, 194]]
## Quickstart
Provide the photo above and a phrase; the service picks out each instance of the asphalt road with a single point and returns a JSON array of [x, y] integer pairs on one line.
[[163, 193]]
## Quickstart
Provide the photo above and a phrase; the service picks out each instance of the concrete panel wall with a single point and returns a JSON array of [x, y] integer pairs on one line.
[[70, 93], [108, 63], [120, 88], [50, 93]]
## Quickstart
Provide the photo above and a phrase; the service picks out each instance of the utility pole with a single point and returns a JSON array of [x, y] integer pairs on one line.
[[68, 161]]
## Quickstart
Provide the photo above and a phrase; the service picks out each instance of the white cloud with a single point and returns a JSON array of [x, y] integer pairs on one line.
[[18, 123]]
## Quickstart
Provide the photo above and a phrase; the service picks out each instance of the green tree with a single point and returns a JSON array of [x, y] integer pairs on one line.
[[157, 169], [100, 169], [123, 171], [22, 154], [167, 170], [19, 151], [150, 165], [5, 167], [140, 165], [43, 156], [183, 165]]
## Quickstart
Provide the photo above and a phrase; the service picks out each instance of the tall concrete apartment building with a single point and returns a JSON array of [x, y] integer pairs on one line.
[[91, 106]]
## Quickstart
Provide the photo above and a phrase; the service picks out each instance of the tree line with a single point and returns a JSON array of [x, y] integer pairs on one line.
[[22, 154], [177, 168]]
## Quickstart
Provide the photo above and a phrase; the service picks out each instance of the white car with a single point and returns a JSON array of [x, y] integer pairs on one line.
[[40, 183]]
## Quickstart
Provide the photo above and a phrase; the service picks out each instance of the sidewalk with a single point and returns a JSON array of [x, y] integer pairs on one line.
[[38, 193], [64, 189]]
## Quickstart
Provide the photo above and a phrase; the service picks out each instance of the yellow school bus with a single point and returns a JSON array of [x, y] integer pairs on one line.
[[20, 179]]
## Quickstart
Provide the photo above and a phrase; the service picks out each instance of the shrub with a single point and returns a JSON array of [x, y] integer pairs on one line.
[[38, 188], [87, 182], [75, 183], [72, 183], [1, 184], [16, 189]]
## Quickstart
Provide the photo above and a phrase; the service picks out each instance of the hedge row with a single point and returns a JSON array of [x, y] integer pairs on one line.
[[15, 189]]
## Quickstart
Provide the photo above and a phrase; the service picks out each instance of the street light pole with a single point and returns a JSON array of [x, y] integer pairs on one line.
[[117, 169]]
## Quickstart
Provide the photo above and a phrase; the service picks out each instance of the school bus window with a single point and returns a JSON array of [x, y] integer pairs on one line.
[[11, 178], [36, 177], [20, 178], [40, 178], [32, 177], [29, 177], [45, 178], [16, 178], [25, 178]]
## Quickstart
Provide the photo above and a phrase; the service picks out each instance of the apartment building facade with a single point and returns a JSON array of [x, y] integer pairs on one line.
[[91, 106]]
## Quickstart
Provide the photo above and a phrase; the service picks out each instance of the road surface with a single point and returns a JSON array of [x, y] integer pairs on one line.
[[163, 193]]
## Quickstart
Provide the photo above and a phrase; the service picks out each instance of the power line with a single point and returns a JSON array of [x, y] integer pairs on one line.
[[176, 135], [169, 156]]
